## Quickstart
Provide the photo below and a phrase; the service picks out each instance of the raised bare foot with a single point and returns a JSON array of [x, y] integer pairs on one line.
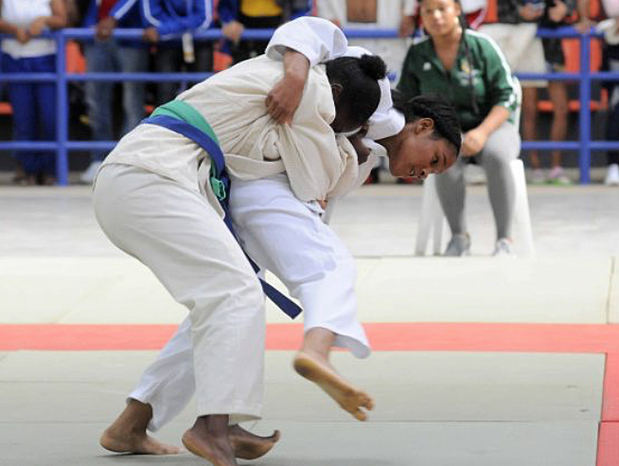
[[348, 397], [249, 446], [208, 439], [138, 443]]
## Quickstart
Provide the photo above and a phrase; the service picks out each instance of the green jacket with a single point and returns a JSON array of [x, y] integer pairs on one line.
[[493, 84]]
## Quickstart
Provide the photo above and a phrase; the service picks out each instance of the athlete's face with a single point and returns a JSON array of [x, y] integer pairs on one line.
[[420, 153]]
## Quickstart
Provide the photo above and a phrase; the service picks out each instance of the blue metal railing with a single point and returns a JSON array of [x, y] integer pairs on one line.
[[63, 145]]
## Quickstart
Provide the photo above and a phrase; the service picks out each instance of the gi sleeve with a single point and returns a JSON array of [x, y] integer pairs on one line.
[[316, 38]]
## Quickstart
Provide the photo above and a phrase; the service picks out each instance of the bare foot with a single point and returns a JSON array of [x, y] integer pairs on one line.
[[140, 444], [348, 397], [128, 433], [249, 446], [217, 450]]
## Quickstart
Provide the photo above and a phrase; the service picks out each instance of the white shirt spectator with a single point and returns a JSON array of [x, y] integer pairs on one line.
[[22, 13]]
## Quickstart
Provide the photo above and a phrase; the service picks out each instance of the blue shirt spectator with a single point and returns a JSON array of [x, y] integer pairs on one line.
[[177, 16]]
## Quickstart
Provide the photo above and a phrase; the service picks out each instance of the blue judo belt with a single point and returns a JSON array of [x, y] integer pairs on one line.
[[219, 178]]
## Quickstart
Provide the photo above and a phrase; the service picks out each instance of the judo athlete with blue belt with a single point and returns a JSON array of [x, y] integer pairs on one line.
[[157, 198], [318, 270]]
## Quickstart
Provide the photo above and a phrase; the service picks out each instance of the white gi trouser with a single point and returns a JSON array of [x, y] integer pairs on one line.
[[287, 237], [177, 234]]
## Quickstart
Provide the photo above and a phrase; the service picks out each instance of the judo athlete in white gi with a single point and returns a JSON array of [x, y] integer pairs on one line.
[[420, 137], [152, 200]]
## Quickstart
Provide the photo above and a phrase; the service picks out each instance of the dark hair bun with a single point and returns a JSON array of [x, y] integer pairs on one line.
[[373, 66]]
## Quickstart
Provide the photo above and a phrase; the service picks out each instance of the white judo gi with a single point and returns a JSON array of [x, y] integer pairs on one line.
[[278, 223], [152, 200]]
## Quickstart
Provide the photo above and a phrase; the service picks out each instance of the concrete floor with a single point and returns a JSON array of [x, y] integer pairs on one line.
[[433, 408]]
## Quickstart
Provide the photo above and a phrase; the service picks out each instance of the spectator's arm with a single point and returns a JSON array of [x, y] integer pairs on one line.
[[228, 10], [476, 138], [7, 27], [156, 17], [502, 93], [498, 77], [165, 24], [73, 15], [202, 15], [584, 22], [316, 38], [57, 20], [121, 8]]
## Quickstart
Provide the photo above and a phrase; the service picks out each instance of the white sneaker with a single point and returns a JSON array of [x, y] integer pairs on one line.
[[88, 176], [612, 175], [557, 176], [537, 176], [503, 248]]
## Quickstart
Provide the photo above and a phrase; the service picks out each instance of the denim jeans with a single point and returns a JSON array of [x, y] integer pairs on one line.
[[34, 111], [170, 60], [108, 56]]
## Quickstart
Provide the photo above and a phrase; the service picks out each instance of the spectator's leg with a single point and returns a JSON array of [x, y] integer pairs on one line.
[[502, 147], [99, 58], [558, 131], [612, 129], [168, 61], [612, 132], [45, 101], [451, 192], [21, 97], [529, 121], [557, 91], [204, 56], [133, 60]]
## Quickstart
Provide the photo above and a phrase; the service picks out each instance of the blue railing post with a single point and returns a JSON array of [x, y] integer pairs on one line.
[[62, 111], [584, 160]]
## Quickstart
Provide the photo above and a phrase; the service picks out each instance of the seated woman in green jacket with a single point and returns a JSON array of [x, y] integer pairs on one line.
[[468, 69]]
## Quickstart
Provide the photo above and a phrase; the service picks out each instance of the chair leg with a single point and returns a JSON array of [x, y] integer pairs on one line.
[[439, 221], [522, 215], [431, 218]]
